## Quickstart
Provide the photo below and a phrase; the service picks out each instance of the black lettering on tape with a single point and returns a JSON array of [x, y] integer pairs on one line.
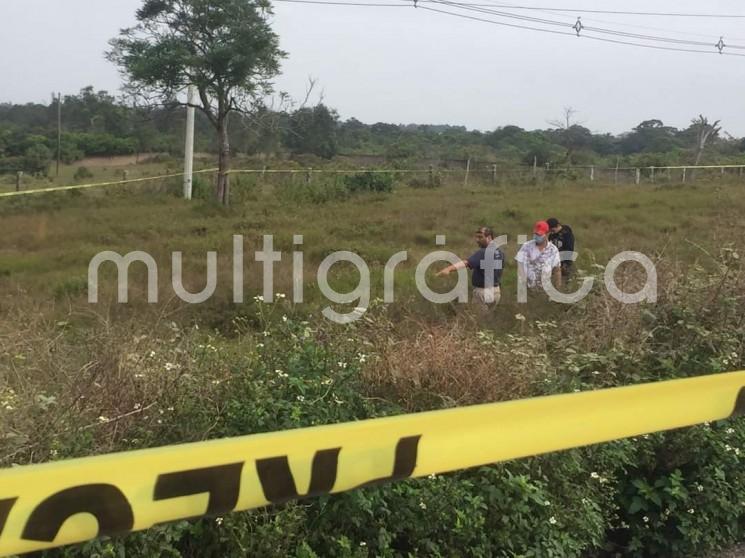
[[739, 409], [279, 485], [404, 462], [5, 507], [105, 502], [222, 482]]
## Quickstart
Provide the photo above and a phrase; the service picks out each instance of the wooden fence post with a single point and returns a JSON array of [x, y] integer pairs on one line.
[[19, 178], [494, 174], [535, 166], [468, 170], [309, 175], [684, 174], [638, 177], [651, 174], [592, 173], [431, 176]]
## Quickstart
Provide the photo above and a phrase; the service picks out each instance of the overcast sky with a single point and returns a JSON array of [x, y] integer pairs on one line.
[[407, 65]]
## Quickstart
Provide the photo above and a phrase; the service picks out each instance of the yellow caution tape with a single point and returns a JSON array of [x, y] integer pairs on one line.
[[47, 505], [97, 184]]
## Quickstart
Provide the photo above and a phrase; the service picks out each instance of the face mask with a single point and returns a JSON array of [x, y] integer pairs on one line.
[[539, 238]]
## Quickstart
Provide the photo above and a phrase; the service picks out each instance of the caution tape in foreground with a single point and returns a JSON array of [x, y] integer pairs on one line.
[[52, 504]]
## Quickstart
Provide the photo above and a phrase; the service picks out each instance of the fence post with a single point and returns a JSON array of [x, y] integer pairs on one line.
[[309, 175], [651, 174], [431, 176], [721, 171], [19, 177], [592, 173], [684, 174], [468, 170], [535, 166], [638, 176], [494, 174], [615, 178], [125, 174]]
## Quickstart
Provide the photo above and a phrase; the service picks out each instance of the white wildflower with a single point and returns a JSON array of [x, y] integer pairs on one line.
[[645, 519], [423, 505], [730, 431], [594, 475], [691, 511], [300, 398], [102, 419], [552, 520]]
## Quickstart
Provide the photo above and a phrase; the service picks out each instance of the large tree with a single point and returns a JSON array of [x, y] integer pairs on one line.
[[224, 48]]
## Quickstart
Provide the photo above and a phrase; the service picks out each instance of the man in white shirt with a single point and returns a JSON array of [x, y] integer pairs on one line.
[[538, 256]]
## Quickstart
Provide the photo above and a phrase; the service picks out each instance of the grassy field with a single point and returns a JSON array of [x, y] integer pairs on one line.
[[78, 379], [50, 239]]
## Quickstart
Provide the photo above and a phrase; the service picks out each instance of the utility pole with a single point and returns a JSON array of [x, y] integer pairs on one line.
[[59, 131], [189, 146]]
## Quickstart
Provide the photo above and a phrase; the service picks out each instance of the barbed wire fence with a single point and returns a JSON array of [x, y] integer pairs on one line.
[[482, 173]]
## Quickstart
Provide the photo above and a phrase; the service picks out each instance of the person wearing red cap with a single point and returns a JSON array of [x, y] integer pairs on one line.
[[537, 257]]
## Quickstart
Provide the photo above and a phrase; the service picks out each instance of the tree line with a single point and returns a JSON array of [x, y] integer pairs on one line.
[[95, 123]]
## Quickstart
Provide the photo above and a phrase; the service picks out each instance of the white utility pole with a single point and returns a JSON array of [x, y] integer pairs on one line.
[[189, 147]]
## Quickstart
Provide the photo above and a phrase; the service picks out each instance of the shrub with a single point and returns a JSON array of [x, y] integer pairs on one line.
[[369, 182], [82, 174]]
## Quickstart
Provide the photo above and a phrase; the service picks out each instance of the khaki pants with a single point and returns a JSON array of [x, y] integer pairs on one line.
[[486, 298]]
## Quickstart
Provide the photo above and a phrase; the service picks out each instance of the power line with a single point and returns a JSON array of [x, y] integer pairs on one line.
[[616, 12], [606, 21], [577, 29], [543, 30], [583, 28]]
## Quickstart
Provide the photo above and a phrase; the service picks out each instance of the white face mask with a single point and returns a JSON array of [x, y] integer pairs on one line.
[[539, 238]]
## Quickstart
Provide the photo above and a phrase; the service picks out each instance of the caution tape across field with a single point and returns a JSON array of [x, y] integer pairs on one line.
[[53, 504]]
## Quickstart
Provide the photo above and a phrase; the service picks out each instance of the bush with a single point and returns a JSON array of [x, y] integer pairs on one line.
[[369, 182], [82, 174]]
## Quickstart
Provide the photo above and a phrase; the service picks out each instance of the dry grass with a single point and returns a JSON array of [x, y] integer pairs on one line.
[[81, 380], [452, 365]]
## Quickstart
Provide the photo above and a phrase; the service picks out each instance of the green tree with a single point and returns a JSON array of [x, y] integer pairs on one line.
[[225, 48], [36, 159], [313, 130]]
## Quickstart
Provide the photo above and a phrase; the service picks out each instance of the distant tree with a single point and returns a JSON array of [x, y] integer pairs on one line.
[[225, 48], [313, 130], [650, 136], [36, 159], [704, 132]]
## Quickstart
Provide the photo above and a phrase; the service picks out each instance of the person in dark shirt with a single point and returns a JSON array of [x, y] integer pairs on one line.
[[487, 259], [563, 237]]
